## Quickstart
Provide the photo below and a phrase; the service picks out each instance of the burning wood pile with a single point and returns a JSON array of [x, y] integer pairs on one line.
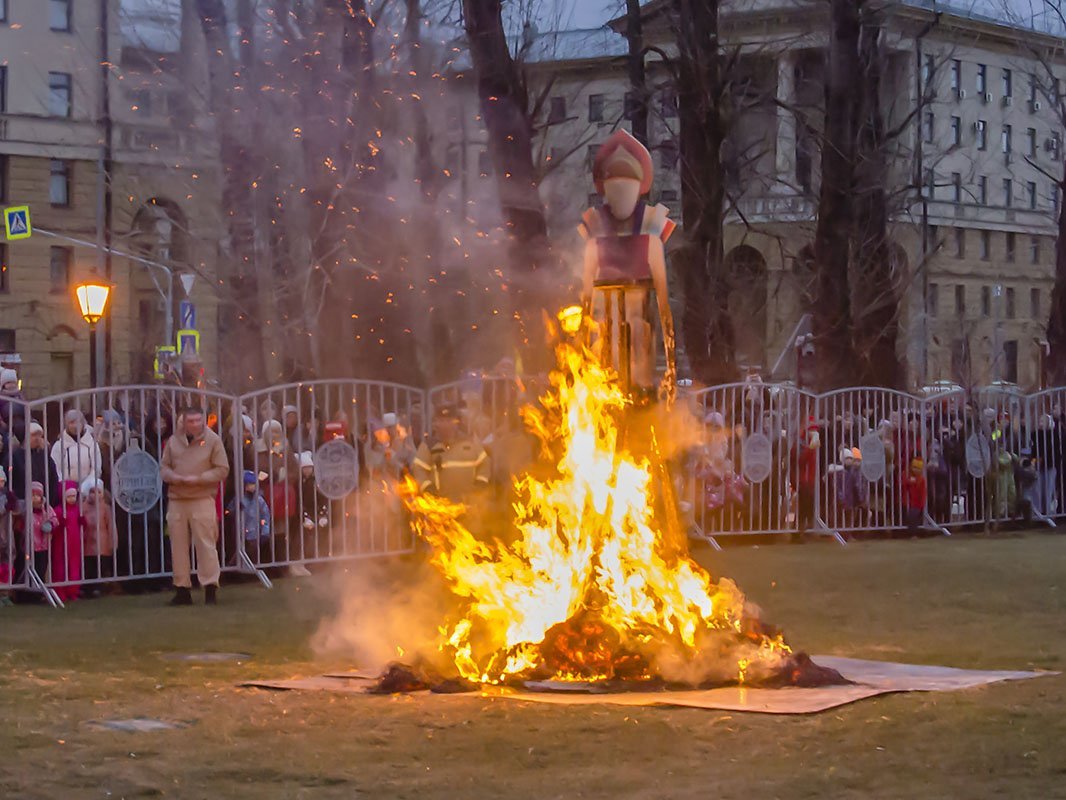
[[597, 588]]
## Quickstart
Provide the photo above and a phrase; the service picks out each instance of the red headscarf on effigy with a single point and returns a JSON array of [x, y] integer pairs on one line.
[[622, 140]]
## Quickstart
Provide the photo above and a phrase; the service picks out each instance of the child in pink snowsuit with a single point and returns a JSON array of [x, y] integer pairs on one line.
[[44, 521], [66, 544]]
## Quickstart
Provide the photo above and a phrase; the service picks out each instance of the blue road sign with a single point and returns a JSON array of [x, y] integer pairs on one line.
[[188, 315], [17, 222]]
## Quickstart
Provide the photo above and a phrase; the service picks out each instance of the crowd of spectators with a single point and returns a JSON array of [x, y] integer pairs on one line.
[[862, 462], [945, 463]]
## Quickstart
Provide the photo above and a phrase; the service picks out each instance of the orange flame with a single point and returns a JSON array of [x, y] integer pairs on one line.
[[591, 551]]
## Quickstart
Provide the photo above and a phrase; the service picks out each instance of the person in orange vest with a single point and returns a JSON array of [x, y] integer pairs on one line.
[[451, 463]]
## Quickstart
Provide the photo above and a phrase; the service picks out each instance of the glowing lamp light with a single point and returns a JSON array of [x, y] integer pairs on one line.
[[92, 299]]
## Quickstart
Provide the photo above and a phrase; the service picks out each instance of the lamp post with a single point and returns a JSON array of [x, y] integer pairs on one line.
[[93, 295]]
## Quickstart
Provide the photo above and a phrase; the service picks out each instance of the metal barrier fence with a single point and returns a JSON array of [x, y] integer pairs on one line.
[[84, 505], [778, 460]]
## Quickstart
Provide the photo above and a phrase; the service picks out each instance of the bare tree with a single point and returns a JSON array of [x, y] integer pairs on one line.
[[701, 91]]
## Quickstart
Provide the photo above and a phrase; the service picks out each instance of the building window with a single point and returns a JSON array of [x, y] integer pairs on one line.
[[3, 86], [1030, 136], [59, 94], [60, 268], [59, 183], [669, 104], [982, 79], [7, 340], [982, 135], [1011, 242], [956, 187], [1011, 310], [960, 300], [986, 245], [928, 69], [5, 286], [1034, 303], [3, 10], [1034, 250], [956, 131], [3, 177], [930, 184], [1030, 191], [59, 15], [629, 107], [1056, 144], [556, 110], [1010, 356], [668, 155], [596, 104], [956, 76], [1008, 83], [1006, 140], [1008, 192], [929, 126], [932, 299], [982, 190], [140, 101], [1032, 89], [960, 243], [986, 301]]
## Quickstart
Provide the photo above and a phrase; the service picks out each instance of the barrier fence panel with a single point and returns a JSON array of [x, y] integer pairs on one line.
[[91, 486], [324, 459], [957, 459], [753, 472], [13, 536], [871, 439], [1047, 446]]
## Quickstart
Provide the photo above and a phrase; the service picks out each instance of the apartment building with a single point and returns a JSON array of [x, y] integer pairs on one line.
[[974, 204], [55, 138]]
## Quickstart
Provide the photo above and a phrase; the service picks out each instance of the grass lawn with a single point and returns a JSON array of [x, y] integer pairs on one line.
[[966, 602]]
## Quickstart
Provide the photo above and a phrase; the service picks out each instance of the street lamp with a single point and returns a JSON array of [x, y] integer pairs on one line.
[[92, 295]]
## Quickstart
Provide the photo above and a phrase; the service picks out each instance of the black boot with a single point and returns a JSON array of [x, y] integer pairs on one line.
[[182, 597], [211, 594]]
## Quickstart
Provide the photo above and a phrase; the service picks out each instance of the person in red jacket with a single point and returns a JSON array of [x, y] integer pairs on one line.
[[914, 495]]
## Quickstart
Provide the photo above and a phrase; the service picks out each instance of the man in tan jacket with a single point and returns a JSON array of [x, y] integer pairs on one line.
[[193, 465]]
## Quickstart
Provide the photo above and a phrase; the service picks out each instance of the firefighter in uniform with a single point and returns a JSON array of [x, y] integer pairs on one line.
[[451, 463], [625, 260]]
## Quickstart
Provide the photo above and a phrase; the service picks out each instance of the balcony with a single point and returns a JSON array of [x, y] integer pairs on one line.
[[776, 208]]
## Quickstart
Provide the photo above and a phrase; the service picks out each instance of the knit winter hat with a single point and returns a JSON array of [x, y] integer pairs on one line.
[[8, 376], [37, 488], [289, 410], [35, 427], [249, 477], [306, 459]]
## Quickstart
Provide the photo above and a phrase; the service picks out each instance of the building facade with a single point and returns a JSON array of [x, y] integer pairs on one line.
[[158, 201], [973, 171]]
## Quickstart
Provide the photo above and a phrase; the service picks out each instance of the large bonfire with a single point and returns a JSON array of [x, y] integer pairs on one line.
[[597, 584]]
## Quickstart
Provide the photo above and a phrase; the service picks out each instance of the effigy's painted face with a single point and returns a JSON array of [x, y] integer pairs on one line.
[[621, 195]]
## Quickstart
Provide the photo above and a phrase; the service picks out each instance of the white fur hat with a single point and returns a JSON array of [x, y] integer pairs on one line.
[[89, 484], [306, 459]]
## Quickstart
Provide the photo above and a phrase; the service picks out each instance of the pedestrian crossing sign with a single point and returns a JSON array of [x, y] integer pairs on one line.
[[17, 222], [188, 343]]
